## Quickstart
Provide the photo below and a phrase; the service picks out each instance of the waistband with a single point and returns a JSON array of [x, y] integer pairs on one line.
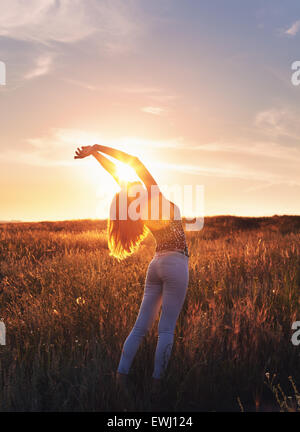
[[171, 251]]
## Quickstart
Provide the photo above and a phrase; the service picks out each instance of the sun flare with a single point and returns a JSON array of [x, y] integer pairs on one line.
[[126, 173]]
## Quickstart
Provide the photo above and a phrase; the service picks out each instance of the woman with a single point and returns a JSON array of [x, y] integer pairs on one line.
[[167, 275]]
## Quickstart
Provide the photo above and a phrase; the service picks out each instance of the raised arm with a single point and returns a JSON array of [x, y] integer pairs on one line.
[[133, 161], [117, 154], [107, 164]]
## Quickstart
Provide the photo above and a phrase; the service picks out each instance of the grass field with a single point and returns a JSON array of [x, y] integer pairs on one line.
[[68, 307]]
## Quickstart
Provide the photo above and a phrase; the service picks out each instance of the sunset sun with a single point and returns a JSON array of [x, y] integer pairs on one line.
[[126, 173]]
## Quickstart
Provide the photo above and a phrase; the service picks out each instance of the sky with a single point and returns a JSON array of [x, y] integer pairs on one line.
[[200, 91]]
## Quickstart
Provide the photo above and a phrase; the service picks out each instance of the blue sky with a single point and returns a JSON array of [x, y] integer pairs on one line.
[[200, 90]]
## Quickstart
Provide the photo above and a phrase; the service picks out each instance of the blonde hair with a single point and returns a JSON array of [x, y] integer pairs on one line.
[[125, 236]]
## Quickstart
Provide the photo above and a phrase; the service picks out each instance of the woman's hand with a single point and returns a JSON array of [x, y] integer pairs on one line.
[[83, 152]]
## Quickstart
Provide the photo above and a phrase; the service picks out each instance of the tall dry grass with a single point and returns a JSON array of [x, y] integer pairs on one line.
[[68, 307]]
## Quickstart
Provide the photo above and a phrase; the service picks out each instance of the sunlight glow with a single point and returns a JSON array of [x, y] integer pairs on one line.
[[126, 173]]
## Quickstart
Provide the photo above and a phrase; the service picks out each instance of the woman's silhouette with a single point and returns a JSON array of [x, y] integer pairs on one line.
[[166, 283]]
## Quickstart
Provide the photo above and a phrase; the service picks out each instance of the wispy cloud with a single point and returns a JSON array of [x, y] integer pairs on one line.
[[293, 29], [57, 147], [45, 21], [153, 93], [153, 110], [238, 172], [42, 67], [82, 84], [157, 94], [257, 149], [38, 27], [139, 89], [276, 122], [61, 141]]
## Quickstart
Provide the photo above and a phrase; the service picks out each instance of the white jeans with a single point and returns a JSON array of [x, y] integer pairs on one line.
[[166, 284]]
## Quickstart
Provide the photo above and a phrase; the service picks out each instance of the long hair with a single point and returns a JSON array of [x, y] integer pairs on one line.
[[124, 234]]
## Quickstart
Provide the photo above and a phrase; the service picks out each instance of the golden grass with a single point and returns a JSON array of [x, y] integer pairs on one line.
[[68, 307]]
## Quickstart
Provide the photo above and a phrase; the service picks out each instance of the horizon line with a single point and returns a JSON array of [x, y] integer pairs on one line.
[[183, 217]]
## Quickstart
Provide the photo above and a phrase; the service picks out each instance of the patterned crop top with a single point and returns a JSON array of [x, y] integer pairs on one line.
[[169, 233], [170, 236]]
